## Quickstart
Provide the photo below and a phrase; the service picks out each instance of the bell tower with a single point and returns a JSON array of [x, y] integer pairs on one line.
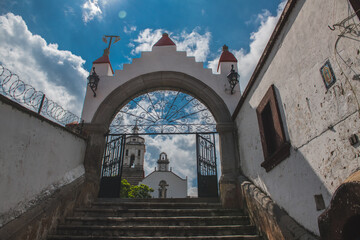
[[133, 167], [163, 162]]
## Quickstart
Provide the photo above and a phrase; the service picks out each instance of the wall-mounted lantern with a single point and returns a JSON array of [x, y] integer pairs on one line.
[[93, 81], [233, 78]]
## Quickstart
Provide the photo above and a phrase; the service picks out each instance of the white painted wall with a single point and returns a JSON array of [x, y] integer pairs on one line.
[[161, 58], [36, 158], [177, 186], [321, 158]]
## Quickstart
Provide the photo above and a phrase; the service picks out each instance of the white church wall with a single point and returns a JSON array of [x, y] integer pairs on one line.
[[317, 122], [177, 186], [36, 158], [161, 58]]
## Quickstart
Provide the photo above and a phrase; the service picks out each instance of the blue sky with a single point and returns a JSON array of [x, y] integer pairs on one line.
[[57, 41], [51, 44]]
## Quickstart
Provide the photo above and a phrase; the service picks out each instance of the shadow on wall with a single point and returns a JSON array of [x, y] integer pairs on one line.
[[293, 184]]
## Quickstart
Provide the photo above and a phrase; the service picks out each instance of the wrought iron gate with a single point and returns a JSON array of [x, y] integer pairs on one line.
[[112, 166], [206, 165]]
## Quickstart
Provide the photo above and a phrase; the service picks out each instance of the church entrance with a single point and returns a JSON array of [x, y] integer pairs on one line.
[[155, 113]]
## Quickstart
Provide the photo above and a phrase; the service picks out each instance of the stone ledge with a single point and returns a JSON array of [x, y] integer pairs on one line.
[[272, 221], [36, 223]]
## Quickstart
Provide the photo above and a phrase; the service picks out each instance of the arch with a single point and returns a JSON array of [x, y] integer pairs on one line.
[[161, 81], [169, 80]]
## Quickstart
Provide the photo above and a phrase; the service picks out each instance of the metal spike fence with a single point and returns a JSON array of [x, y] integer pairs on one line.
[[15, 89]]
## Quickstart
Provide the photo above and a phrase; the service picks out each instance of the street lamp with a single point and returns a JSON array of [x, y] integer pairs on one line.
[[93, 81], [233, 78]]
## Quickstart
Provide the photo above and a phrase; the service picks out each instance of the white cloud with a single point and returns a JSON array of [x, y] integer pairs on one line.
[[57, 73], [90, 10], [145, 40], [247, 60], [129, 29], [194, 43]]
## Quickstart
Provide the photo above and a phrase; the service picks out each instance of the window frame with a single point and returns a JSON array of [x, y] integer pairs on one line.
[[282, 150]]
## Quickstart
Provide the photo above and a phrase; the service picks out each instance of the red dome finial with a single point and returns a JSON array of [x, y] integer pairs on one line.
[[226, 56], [165, 41]]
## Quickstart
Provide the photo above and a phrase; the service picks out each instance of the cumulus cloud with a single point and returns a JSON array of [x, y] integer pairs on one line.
[[129, 29], [247, 60], [194, 43], [145, 40], [90, 10], [57, 73]]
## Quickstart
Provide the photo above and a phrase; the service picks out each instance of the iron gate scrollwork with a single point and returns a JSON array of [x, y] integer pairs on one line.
[[206, 165], [112, 163]]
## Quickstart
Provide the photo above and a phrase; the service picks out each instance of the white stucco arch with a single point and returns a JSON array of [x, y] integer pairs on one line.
[[165, 69]]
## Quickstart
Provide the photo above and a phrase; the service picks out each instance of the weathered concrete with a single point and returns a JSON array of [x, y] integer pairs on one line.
[[318, 122], [37, 157], [176, 218], [272, 221]]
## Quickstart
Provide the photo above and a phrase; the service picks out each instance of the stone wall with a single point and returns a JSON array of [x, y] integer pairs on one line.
[[272, 221], [318, 122], [37, 158]]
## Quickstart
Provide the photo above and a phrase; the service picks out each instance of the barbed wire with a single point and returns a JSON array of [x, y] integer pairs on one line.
[[15, 89]]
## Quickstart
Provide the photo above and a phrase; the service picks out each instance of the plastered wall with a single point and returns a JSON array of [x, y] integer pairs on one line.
[[36, 158], [318, 122], [177, 186]]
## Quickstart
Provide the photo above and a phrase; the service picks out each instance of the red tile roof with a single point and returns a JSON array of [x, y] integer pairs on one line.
[[104, 59]]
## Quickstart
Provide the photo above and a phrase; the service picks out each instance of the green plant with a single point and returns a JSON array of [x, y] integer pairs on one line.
[[133, 191]]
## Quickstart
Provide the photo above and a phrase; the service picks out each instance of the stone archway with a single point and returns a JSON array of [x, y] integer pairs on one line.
[[166, 80]]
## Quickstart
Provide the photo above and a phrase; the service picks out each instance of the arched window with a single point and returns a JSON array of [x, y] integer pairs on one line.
[[127, 152], [132, 160], [139, 152]]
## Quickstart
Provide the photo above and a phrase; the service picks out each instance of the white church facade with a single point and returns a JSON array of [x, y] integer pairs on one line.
[[164, 181]]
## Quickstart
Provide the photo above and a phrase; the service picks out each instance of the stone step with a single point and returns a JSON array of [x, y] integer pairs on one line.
[[156, 205], [90, 237], [99, 230], [170, 200], [113, 212], [159, 221]]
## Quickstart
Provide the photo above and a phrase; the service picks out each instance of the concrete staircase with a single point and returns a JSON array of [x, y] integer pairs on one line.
[[156, 219]]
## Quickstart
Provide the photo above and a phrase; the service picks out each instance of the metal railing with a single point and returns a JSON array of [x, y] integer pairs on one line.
[[15, 89]]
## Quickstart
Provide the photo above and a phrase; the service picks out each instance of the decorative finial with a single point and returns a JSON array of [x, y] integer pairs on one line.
[[225, 48], [165, 35], [107, 50]]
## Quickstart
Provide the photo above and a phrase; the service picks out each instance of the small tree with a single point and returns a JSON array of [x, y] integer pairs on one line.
[[133, 191]]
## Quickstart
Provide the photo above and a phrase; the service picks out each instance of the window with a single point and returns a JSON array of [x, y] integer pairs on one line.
[[139, 152], [127, 152], [356, 6], [275, 147], [132, 161]]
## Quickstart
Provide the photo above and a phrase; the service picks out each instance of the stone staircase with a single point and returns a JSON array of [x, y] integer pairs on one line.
[[156, 219]]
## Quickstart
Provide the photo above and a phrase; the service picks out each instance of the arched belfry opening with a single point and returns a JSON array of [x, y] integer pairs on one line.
[[169, 74]]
